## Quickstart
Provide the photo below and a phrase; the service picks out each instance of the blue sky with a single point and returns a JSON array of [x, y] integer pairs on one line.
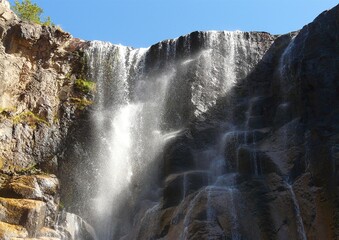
[[141, 23]]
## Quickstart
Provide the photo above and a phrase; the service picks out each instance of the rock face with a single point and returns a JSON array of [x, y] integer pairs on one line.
[[38, 67], [279, 178], [213, 135], [39, 101]]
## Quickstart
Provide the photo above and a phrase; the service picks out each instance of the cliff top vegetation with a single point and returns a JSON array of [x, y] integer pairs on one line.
[[29, 11]]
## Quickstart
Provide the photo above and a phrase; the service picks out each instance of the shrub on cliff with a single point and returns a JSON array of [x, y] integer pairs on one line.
[[29, 11]]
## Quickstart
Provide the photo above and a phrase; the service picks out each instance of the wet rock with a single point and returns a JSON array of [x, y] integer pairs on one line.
[[205, 230], [283, 114], [178, 186], [178, 157], [234, 140], [252, 161], [260, 106], [212, 211], [49, 233], [74, 227], [257, 122]]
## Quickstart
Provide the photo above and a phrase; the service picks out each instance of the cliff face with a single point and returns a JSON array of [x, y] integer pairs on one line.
[[270, 155], [145, 99], [39, 102], [38, 66], [214, 135]]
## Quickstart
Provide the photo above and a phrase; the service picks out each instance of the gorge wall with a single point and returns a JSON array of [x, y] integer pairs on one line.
[[213, 135]]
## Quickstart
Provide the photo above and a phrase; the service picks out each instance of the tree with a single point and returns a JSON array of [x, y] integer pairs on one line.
[[30, 11]]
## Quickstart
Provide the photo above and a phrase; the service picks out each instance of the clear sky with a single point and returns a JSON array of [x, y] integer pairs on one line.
[[141, 23]]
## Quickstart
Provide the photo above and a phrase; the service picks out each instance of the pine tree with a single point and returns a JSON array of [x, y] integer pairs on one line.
[[30, 12]]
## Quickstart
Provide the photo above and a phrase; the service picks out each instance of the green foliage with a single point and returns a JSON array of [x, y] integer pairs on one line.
[[48, 22], [81, 103], [28, 117], [30, 12], [25, 117], [85, 86], [61, 206], [30, 170]]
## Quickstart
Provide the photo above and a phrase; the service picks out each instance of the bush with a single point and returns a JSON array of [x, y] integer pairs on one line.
[[30, 12]]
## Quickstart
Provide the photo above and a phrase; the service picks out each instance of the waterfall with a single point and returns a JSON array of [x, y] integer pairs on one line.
[[300, 223], [144, 98], [127, 120]]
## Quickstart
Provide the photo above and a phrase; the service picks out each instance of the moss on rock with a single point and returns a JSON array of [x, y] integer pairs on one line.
[[28, 117], [85, 86], [81, 103]]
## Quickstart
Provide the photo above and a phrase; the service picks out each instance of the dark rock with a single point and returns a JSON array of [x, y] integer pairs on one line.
[[260, 106], [257, 122], [178, 157], [252, 161], [178, 186]]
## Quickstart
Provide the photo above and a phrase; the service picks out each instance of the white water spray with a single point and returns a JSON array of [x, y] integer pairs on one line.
[[132, 104]]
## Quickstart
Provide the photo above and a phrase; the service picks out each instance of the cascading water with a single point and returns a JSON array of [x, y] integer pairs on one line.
[[128, 121], [284, 68], [300, 224], [144, 98]]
